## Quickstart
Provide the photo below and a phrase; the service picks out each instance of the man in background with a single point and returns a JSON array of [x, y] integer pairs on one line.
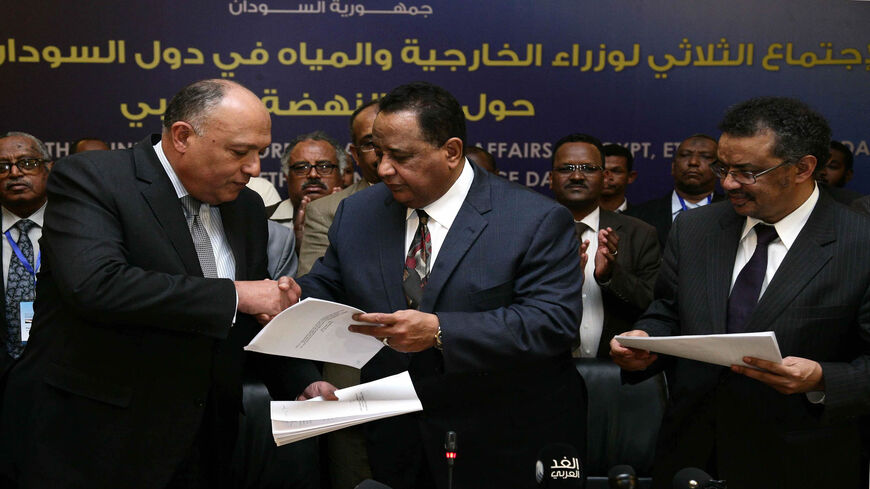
[[618, 175]]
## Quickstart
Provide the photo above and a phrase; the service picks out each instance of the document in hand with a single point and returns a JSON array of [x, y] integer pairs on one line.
[[718, 349], [382, 398], [317, 330]]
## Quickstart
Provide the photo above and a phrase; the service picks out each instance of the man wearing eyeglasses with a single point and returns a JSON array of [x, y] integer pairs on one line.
[[620, 254], [24, 167], [319, 215], [783, 257], [312, 167], [694, 185]]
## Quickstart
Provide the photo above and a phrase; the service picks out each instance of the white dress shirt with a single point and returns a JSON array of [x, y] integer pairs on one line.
[[677, 206], [593, 308], [211, 221], [9, 219], [441, 213]]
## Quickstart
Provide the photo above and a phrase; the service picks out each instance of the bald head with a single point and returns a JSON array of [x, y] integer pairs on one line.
[[213, 133]]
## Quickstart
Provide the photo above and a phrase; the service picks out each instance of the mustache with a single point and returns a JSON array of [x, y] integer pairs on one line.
[[18, 181], [314, 183]]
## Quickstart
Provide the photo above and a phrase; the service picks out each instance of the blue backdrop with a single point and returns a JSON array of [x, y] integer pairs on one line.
[[645, 73]]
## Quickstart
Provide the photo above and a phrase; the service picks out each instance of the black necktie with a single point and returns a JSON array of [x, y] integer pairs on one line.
[[747, 287], [20, 287], [581, 227], [417, 263]]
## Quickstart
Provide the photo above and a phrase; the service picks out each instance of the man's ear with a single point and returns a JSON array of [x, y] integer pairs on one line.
[[632, 176], [181, 133], [805, 167], [454, 150]]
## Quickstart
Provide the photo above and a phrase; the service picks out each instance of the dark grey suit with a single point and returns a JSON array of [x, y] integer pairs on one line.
[[132, 351], [630, 288], [818, 304]]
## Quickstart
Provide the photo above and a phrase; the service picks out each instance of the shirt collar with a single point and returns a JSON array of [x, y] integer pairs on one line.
[[173, 177], [791, 225], [444, 210], [592, 219], [10, 218]]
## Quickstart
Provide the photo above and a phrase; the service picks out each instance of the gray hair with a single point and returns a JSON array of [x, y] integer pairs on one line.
[[340, 154], [40, 146]]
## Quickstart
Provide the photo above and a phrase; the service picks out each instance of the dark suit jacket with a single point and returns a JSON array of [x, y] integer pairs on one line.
[[657, 212], [818, 304], [862, 205], [130, 343], [506, 289], [630, 289]]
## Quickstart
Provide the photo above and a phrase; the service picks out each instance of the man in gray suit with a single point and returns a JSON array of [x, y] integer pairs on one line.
[[781, 257], [621, 253]]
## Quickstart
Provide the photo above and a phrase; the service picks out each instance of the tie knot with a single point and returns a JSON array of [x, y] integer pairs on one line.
[[581, 227], [764, 234], [424, 218], [24, 225], [191, 205]]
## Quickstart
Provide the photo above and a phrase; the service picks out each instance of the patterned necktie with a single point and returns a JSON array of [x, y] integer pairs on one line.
[[201, 241], [20, 287], [416, 271], [747, 287]]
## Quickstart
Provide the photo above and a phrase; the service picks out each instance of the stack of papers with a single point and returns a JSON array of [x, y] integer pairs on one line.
[[317, 330], [383, 398], [718, 349]]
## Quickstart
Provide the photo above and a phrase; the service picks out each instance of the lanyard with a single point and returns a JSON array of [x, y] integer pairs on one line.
[[683, 202], [21, 257]]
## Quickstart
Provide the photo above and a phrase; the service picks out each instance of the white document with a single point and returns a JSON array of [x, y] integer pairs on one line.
[[718, 349], [382, 398], [317, 330]]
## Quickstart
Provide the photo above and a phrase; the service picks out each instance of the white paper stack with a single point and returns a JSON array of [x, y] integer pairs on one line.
[[719, 349], [382, 398], [317, 330]]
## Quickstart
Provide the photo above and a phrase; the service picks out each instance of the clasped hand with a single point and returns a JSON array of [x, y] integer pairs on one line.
[[264, 299]]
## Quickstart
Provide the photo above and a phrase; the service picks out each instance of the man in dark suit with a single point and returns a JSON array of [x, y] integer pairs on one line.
[[473, 283], [694, 185], [154, 263], [620, 253], [619, 173], [24, 167], [789, 425]]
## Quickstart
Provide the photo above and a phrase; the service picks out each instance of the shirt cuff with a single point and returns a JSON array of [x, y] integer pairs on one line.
[[235, 310]]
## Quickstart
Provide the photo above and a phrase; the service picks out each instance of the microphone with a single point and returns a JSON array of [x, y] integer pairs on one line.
[[450, 446], [371, 484], [559, 466], [621, 477], [692, 478]]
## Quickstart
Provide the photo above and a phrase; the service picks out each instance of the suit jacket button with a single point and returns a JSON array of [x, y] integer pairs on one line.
[[199, 402]]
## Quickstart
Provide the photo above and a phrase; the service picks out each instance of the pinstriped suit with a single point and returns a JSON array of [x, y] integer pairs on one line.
[[818, 304]]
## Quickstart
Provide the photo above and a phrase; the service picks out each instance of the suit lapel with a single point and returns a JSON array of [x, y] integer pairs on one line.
[[467, 226], [391, 236], [721, 244], [807, 256], [158, 192]]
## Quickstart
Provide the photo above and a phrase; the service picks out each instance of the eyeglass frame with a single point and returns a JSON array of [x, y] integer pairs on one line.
[[323, 168], [584, 168], [28, 171], [717, 167]]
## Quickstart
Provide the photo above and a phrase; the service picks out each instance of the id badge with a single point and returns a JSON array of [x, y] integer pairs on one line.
[[26, 319]]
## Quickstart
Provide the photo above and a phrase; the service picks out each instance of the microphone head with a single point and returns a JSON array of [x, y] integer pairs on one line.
[[691, 478], [622, 477], [370, 484], [450, 442], [559, 466]]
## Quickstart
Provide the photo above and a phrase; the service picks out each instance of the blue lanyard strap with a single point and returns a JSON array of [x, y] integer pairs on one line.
[[21, 257], [683, 202]]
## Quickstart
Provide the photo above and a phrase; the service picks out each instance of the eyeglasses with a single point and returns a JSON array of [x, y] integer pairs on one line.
[[570, 168], [25, 165], [366, 147], [323, 169], [743, 177]]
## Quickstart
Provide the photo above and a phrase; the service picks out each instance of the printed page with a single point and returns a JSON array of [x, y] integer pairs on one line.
[[718, 349], [317, 330]]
